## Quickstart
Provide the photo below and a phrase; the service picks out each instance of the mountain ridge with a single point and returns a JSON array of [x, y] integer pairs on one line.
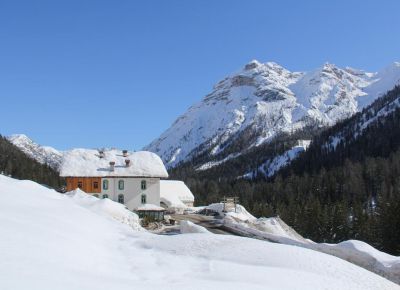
[[43, 154], [268, 100]]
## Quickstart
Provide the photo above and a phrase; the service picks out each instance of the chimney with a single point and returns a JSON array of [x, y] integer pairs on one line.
[[112, 164], [125, 153], [127, 162]]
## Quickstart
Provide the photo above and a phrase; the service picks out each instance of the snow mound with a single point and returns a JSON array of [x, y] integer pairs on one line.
[[105, 207], [230, 260], [357, 252], [187, 227], [386, 259], [240, 213], [270, 229], [275, 230], [276, 226], [366, 256]]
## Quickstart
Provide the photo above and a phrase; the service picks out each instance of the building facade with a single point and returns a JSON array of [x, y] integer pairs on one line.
[[130, 191], [130, 178]]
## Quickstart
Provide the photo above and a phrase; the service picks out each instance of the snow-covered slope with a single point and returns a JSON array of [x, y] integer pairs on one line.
[[271, 166], [269, 99], [276, 230], [55, 241], [42, 154], [372, 114], [385, 78]]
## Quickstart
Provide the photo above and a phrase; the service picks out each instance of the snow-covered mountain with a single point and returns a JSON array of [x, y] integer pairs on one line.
[[43, 154], [267, 99]]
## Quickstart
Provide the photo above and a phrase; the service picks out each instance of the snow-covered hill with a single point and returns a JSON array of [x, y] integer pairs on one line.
[[268, 99], [75, 241], [42, 154]]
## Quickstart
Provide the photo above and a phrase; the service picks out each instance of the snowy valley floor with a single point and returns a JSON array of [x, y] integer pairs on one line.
[[54, 241]]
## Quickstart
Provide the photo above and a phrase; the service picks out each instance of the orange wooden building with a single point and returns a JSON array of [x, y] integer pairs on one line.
[[87, 184]]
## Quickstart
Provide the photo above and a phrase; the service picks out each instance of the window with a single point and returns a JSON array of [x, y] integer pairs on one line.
[[105, 184], [95, 185], [95, 195], [80, 184], [121, 198], [105, 195], [121, 185], [143, 185], [143, 199]]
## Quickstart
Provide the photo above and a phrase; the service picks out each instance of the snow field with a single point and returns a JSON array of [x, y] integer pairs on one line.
[[275, 230], [54, 241]]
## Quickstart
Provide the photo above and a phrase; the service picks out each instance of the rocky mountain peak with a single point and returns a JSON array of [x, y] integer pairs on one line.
[[252, 65], [267, 99]]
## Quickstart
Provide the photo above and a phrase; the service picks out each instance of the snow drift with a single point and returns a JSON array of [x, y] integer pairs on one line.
[[105, 207], [275, 230], [187, 227], [55, 241]]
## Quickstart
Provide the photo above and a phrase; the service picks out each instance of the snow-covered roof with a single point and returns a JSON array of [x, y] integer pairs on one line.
[[174, 192], [87, 163]]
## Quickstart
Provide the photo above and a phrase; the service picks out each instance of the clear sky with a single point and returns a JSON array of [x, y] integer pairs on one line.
[[118, 73]]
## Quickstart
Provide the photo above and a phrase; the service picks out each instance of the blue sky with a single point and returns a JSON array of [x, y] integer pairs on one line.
[[118, 73]]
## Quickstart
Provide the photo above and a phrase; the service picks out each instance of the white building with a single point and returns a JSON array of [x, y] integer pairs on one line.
[[131, 178]]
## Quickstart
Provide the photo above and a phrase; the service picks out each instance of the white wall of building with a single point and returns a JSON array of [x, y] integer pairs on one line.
[[132, 190]]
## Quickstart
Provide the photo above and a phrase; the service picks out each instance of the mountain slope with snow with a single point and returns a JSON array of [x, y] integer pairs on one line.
[[43, 154], [268, 99], [55, 241], [271, 166], [372, 133]]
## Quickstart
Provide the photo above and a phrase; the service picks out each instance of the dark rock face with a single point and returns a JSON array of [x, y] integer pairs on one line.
[[240, 80]]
